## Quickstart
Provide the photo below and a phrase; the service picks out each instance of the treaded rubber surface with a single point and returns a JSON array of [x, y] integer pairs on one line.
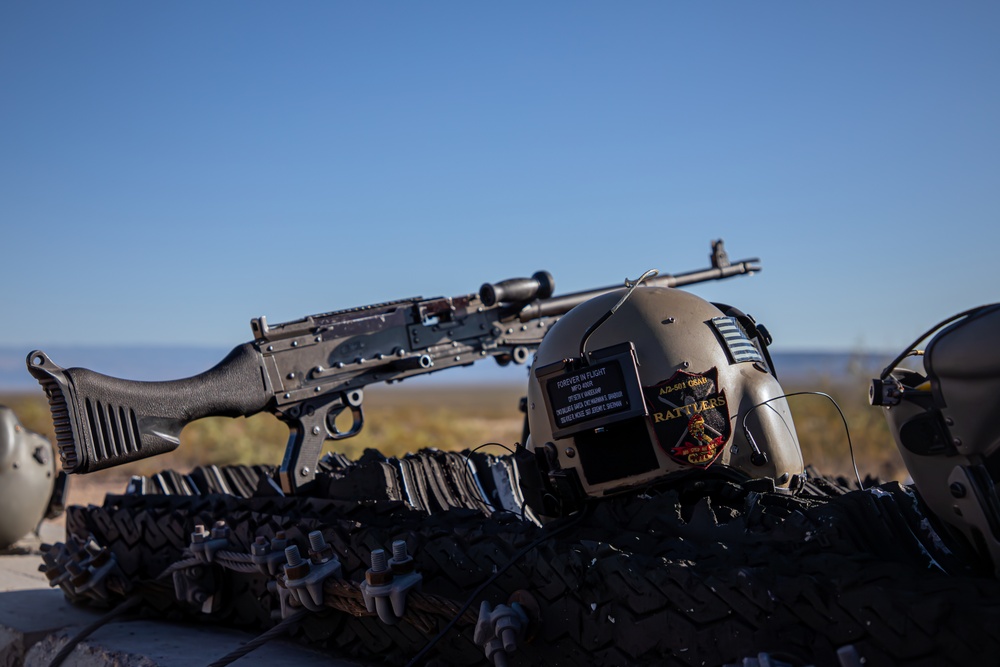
[[702, 573]]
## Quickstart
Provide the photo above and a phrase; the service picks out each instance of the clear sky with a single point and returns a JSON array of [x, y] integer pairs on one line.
[[170, 170]]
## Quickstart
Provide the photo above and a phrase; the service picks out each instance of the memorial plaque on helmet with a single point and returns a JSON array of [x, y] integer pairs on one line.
[[590, 396], [592, 392]]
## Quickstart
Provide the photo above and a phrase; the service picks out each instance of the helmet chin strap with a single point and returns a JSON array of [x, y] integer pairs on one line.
[[631, 285]]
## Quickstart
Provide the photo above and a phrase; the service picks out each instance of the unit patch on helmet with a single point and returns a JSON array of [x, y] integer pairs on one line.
[[740, 347], [690, 417]]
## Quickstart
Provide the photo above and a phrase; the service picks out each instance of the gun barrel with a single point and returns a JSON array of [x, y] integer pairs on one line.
[[560, 305]]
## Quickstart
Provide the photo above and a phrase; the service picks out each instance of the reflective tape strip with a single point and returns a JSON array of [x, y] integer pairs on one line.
[[740, 347]]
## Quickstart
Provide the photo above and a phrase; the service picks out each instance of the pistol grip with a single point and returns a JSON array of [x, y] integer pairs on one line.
[[310, 424]]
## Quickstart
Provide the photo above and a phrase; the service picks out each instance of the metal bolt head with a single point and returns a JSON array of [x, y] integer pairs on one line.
[[379, 563], [379, 573], [316, 540], [260, 547], [319, 550], [378, 578], [220, 531], [279, 542], [401, 562], [292, 556], [295, 567]]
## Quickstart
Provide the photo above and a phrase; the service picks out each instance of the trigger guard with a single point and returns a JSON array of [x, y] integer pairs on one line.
[[359, 421]]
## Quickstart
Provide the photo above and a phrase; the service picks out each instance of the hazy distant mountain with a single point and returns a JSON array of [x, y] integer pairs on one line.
[[171, 363]]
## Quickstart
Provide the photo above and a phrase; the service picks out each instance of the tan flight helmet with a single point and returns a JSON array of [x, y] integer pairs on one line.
[[646, 382], [28, 479], [946, 423]]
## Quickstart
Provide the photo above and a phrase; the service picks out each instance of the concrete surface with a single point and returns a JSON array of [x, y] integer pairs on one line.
[[35, 622]]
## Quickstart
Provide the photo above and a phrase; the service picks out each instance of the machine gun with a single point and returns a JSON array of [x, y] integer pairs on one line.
[[309, 371]]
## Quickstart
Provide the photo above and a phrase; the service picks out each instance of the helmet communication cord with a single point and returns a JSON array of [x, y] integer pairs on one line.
[[758, 453], [631, 285]]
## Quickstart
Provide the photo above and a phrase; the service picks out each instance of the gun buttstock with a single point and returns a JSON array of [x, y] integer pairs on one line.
[[101, 422]]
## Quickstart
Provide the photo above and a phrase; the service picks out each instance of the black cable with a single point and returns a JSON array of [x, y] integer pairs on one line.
[[479, 589], [630, 285], [261, 639], [488, 444], [68, 647], [906, 352], [847, 429]]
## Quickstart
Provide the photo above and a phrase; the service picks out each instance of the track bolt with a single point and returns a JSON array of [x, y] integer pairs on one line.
[[260, 546], [220, 531], [199, 535], [295, 567], [319, 550], [379, 573], [401, 562]]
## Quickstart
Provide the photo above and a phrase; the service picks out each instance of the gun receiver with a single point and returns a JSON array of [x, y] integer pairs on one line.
[[309, 371]]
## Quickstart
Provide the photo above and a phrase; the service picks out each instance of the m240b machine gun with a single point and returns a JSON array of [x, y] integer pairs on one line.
[[309, 371]]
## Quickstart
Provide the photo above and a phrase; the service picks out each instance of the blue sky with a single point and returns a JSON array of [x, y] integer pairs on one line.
[[168, 171]]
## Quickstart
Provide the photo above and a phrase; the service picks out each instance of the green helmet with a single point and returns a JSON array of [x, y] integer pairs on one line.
[[27, 478], [667, 383]]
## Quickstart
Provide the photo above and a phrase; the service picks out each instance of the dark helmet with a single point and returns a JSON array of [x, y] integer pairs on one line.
[[668, 383]]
